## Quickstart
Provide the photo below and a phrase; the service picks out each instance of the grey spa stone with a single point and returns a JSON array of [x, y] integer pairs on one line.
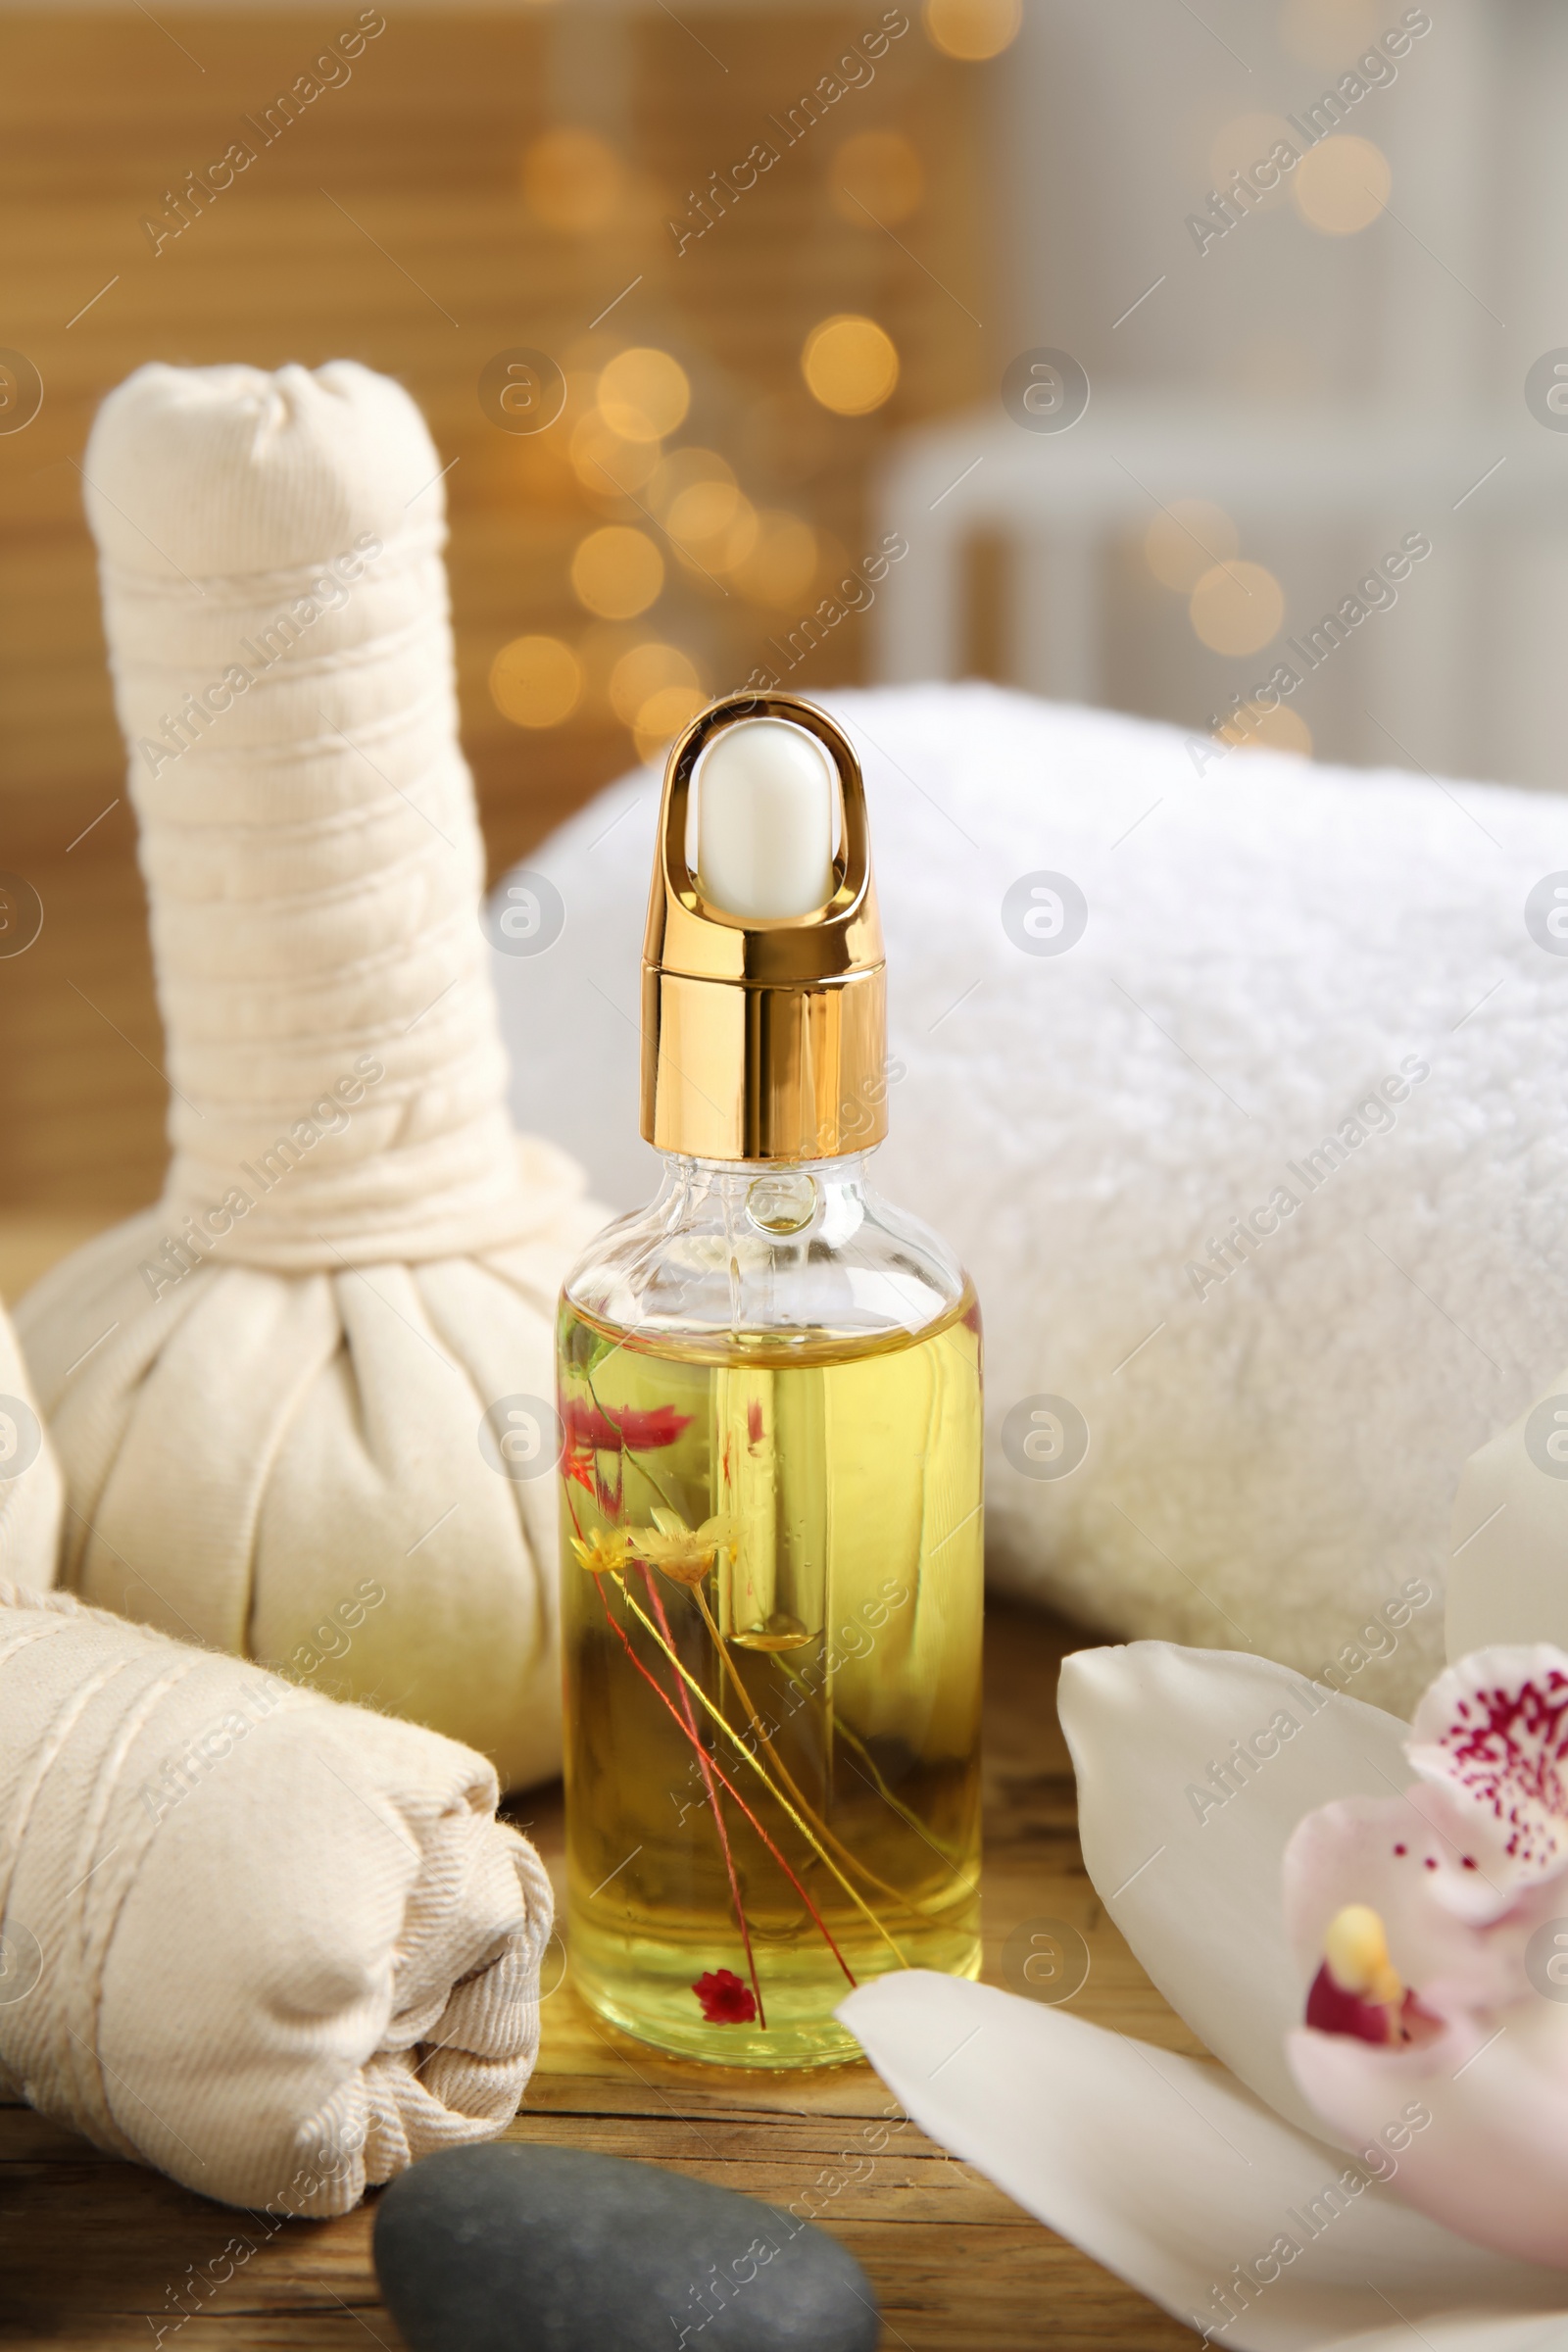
[[506, 2248]]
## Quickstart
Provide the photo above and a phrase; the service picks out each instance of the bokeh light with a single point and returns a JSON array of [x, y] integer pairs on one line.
[[1330, 33], [1282, 729], [714, 525], [1188, 538], [618, 573], [703, 510], [644, 394], [973, 28], [1236, 608], [573, 180], [599, 649], [663, 715], [875, 177], [680, 470], [646, 670], [849, 364], [1246, 141], [781, 563], [1341, 184], [536, 681], [603, 463]]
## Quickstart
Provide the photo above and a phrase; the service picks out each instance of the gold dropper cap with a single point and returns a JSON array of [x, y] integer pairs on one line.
[[764, 1037]]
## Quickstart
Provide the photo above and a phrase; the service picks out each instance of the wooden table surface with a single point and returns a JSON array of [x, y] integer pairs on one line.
[[94, 2253]]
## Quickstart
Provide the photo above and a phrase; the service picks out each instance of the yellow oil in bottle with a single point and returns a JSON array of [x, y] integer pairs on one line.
[[771, 1618]]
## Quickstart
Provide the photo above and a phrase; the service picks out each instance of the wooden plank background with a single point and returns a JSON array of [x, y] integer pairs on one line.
[[442, 264]]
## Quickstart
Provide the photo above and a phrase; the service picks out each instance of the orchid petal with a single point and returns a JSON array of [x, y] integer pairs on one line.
[[1492, 1734], [1192, 1879], [1401, 1855], [1169, 2172], [1491, 2158], [1468, 2332]]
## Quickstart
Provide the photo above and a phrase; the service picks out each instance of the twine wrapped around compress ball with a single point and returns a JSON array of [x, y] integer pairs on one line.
[[270, 1390], [274, 1946]]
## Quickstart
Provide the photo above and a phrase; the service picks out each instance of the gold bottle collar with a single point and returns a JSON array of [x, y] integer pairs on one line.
[[764, 1037]]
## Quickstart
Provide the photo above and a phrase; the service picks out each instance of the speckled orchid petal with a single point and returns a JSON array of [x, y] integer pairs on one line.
[[1387, 1852], [1493, 1733], [1191, 1875], [1468, 1876], [1173, 2176]]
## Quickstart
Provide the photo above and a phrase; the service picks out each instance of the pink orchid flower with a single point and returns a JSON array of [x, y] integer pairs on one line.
[[1378, 2163], [1432, 1914]]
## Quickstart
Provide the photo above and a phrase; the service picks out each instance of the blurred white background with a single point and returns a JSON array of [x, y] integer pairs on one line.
[[1345, 364]]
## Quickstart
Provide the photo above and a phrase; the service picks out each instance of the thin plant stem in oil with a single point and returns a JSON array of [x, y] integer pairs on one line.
[[771, 1620]]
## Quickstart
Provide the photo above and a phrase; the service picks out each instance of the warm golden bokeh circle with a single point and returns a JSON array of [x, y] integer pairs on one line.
[[713, 526], [1342, 186], [644, 394], [703, 510], [679, 471], [648, 670], [664, 714], [781, 564], [573, 180], [876, 177], [849, 364], [603, 463], [972, 29], [1188, 538], [616, 573], [536, 681], [1281, 730], [1237, 608]]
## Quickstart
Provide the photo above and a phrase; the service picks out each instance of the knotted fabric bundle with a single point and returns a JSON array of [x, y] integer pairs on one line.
[[273, 1389], [274, 1946]]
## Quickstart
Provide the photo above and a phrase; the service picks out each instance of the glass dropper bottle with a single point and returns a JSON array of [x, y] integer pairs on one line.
[[772, 1526]]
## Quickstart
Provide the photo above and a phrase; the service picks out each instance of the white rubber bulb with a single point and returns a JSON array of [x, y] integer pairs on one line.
[[764, 820]]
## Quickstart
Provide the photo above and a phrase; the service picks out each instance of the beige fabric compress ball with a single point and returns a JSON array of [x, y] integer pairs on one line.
[[287, 1401]]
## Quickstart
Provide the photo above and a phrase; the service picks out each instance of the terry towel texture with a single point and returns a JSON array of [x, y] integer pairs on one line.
[[355, 1260], [274, 1946], [1292, 984]]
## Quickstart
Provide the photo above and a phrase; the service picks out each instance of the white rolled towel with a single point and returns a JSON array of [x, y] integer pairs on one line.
[[30, 1489], [1292, 984], [276, 1385], [276, 1946]]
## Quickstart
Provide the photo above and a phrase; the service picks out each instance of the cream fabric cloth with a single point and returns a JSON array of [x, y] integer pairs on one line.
[[30, 1475], [272, 1386], [277, 1947]]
